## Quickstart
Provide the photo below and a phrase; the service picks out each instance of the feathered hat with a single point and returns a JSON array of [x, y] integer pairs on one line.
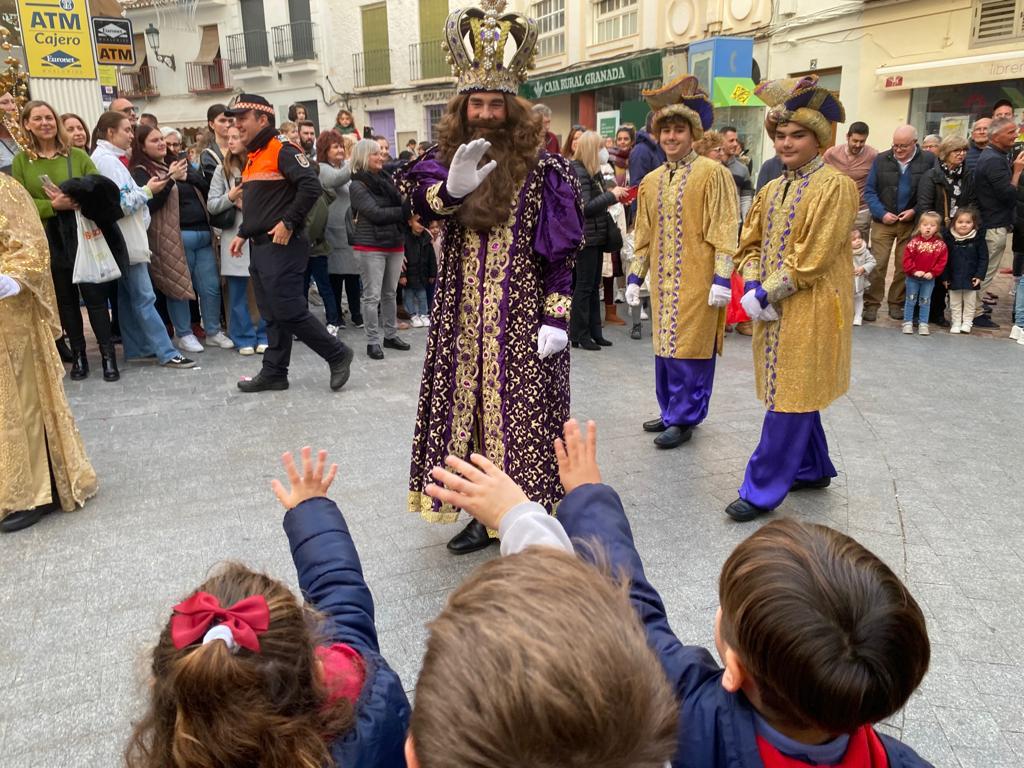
[[683, 97], [801, 100], [475, 40]]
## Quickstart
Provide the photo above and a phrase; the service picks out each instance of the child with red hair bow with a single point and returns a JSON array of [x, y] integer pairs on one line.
[[246, 673]]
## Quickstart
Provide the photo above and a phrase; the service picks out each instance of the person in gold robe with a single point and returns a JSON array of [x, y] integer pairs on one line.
[[685, 236], [42, 460], [794, 257]]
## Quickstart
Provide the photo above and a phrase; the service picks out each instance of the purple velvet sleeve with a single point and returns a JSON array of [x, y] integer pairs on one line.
[[419, 179], [557, 239]]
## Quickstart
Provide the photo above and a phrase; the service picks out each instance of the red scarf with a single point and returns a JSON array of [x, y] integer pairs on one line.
[[344, 671], [864, 751]]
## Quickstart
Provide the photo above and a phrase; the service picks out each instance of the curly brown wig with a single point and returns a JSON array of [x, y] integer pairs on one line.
[[515, 145]]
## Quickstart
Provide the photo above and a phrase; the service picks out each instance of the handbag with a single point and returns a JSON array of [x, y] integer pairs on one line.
[[614, 242], [223, 220], [94, 261], [135, 238]]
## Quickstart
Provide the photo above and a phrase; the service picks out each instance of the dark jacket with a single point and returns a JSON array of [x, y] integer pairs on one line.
[[1018, 226], [331, 579], [379, 213], [997, 197], [191, 198], [934, 193], [645, 156], [316, 224], [967, 259], [716, 728], [420, 259], [771, 169], [596, 202], [100, 201], [883, 193], [973, 153], [209, 161], [280, 185]]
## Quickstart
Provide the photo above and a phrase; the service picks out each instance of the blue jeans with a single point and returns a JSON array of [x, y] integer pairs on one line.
[[1018, 306], [240, 325], [317, 271], [206, 282], [416, 301], [919, 293], [142, 331]]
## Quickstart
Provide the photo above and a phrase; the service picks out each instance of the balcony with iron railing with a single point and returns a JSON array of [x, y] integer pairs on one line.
[[372, 68], [207, 76], [140, 84], [295, 41], [427, 61], [248, 49]]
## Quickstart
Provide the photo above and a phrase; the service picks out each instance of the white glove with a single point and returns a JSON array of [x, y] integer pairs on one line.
[[9, 287], [768, 314], [463, 174], [720, 296], [633, 295], [551, 341], [751, 305]]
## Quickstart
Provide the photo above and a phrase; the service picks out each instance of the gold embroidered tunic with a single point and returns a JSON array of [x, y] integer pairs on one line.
[[686, 225], [33, 409], [796, 241]]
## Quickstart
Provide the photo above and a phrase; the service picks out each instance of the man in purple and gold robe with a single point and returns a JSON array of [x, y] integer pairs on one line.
[[496, 374]]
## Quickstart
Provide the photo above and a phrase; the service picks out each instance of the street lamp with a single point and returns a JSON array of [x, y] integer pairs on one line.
[[153, 37]]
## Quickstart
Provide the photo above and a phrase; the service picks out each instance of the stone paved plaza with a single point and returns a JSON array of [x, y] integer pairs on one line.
[[927, 444]]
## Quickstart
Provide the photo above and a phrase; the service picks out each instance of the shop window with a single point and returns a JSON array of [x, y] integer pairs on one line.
[[550, 16], [615, 19], [433, 114], [996, 21]]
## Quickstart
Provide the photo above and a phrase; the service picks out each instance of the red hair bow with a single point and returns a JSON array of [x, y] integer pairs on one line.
[[247, 619]]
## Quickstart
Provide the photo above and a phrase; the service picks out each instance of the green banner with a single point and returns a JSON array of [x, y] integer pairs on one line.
[[734, 92], [635, 70]]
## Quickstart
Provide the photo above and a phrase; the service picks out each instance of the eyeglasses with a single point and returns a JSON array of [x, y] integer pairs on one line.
[[904, 146], [958, 151]]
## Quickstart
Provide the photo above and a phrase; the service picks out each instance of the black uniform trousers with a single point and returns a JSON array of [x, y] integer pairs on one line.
[[278, 279]]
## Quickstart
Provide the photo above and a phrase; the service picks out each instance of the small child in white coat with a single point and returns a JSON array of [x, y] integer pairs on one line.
[[863, 265]]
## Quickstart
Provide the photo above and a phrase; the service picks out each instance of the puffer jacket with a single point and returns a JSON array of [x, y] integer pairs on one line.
[[1018, 227], [596, 203], [168, 267], [934, 193], [379, 213]]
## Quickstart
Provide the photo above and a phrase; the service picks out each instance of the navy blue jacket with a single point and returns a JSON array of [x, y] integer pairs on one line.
[[994, 190], [968, 259], [716, 728], [331, 579], [645, 156]]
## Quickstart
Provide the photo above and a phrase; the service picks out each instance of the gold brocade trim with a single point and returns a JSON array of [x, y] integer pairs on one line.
[[751, 270], [558, 305], [723, 265], [496, 264], [467, 370], [424, 505], [779, 285], [436, 203]]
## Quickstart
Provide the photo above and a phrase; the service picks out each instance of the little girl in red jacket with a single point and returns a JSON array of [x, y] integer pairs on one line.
[[924, 258]]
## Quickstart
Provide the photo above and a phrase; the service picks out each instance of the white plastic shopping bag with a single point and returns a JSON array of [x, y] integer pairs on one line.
[[94, 261]]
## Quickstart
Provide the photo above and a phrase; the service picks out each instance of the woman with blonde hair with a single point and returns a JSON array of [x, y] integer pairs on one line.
[[585, 320], [711, 146]]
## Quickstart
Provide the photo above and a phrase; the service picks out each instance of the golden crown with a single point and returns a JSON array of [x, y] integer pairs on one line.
[[14, 82], [475, 40]]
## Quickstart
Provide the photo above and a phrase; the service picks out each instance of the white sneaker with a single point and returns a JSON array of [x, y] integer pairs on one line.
[[188, 343], [857, 321], [314, 296], [643, 314], [246, 351], [620, 296], [1021, 340], [425, 319], [966, 328], [922, 329], [954, 329], [333, 330], [908, 328], [415, 321], [261, 348], [220, 339], [1015, 332]]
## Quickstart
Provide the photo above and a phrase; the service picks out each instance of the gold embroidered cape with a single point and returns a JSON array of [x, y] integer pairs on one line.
[[33, 409]]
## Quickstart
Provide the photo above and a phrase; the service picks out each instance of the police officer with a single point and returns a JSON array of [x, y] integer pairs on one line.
[[279, 189]]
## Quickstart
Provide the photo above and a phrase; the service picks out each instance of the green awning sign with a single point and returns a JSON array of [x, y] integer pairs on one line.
[[734, 92], [635, 70]]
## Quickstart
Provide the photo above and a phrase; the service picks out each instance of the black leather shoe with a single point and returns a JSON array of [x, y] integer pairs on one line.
[[340, 370], [79, 365], [809, 485], [655, 425], [586, 344], [25, 518], [374, 351], [742, 511], [64, 350], [110, 372], [396, 343], [602, 342], [261, 383], [472, 538], [674, 436]]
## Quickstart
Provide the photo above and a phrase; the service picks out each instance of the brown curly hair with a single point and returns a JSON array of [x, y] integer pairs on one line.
[[515, 145], [211, 707]]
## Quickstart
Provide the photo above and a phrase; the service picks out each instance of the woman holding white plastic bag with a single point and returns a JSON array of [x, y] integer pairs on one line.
[[142, 330]]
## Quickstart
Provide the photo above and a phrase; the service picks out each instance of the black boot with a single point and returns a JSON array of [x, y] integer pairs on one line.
[[79, 364], [63, 349], [110, 372], [472, 538]]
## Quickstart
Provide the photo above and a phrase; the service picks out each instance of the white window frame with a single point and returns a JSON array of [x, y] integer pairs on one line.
[[430, 127], [550, 16], [615, 20], [1016, 31]]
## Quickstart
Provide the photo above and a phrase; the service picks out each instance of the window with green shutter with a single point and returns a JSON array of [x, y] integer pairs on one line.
[[430, 56], [376, 56]]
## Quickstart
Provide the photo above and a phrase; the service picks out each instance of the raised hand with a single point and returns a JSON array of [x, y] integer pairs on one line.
[[577, 457], [463, 174], [480, 488], [311, 484]]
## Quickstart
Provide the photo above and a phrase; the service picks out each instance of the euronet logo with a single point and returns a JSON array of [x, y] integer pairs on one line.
[[60, 59]]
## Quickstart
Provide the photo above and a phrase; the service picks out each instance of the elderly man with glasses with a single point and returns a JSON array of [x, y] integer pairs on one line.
[[125, 107], [891, 194]]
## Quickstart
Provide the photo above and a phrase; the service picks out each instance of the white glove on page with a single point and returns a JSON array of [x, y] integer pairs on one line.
[[720, 296], [751, 305], [551, 341], [463, 174], [633, 295], [9, 287]]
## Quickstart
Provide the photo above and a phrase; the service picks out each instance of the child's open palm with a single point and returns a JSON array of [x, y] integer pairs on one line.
[[577, 458], [311, 484]]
